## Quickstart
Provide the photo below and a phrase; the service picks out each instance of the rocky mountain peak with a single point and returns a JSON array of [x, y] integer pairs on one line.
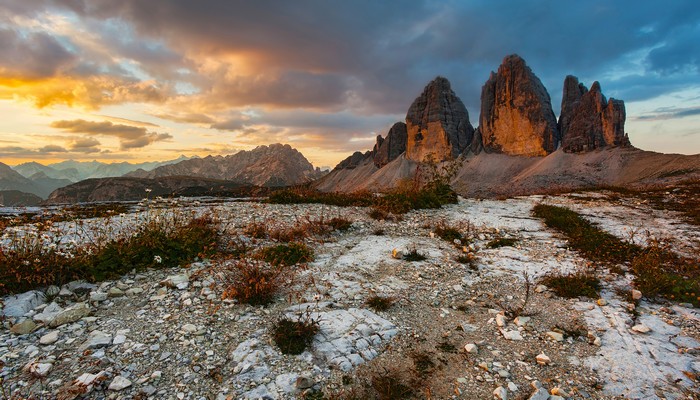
[[388, 149], [516, 112], [588, 121], [437, 124]]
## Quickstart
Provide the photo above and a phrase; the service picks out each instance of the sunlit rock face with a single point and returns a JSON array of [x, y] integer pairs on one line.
[[388, 149], [588, 121], [437, 124], [516, 112]]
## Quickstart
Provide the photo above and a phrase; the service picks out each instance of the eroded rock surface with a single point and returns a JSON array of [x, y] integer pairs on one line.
[[437, 124], [588, 121], [516, 112]]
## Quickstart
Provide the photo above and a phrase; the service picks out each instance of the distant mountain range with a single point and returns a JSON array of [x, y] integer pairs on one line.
[[275, 165], [519, 146], [269, 166]]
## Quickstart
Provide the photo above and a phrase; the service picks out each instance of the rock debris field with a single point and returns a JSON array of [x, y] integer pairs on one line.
[[168, 334]]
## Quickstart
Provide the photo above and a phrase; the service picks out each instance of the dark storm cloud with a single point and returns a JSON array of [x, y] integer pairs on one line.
[[345, 60], [34, 55], [130, 137]]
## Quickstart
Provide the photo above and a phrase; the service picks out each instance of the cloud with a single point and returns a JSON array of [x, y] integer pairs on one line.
[[130, 137], [670, 113], [31, 56], [52, 148]]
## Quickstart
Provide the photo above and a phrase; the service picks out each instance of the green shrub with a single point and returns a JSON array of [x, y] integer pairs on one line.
[[573, 285], [287, 254], [294, 336]]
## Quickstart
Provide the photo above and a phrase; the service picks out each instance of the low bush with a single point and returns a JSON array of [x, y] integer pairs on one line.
[[252, 282], [448, 232], [573, 285], [380, 303], [293, 336], [501, 242], [340, 223], [287, 254], [305, 195]]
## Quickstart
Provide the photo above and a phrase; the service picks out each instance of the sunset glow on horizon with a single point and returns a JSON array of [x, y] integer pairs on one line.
[[152, 80]]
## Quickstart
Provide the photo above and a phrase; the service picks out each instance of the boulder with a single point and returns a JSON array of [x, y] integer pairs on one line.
[[588, 121], [516, 112], [70, 314], [20, 304], [388, 149], [437, 124]]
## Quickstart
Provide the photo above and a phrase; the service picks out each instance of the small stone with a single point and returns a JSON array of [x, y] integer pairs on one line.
[[503, 373], [65, 292], [70, 314], [189, 328], [540, 289], [539, 394], [23, 328], [38, 369], [522, 321], [597, 341], [602, 302], [119, 383], [501, 320], [119, 339], [98, 296], [49, 338], [115, 292], [557, 391], [304, 382], [641, 328], [536, 385], [636, 294], [556, 336], [53, 291], [180, 281], [471, 348], [98, 339], [512, 387], [511, 335], [397, 254], [542, 359], [500, 393]]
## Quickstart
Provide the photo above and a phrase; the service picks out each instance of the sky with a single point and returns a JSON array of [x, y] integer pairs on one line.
[[135, 80]]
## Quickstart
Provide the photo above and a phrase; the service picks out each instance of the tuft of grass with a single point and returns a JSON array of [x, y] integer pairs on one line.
[[379, 214], [253, 283], [257, 230], [447, 232], [305, 195], [573, 285], [592, 242], [380, 303], [287, 254], [390, 385], [414, 255], [501, 242], [423, 363], [294, 336], [378, 232], [340, 223], [446, 347]]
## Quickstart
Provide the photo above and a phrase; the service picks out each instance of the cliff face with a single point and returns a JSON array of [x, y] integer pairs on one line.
[[387, 150], [588, 121], [437, 124], [516, 112]]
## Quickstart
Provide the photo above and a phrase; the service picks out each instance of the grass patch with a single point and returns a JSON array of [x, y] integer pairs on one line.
[[380, 303], [253, 283], [29, 261], [305, 195], [658, 270], [592, 242], [287, 254], [294, 336], [407, 196], [501, 242], [340, 223], [573, 285]]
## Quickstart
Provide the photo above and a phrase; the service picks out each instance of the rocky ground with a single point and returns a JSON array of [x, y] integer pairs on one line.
[[167, 334]]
